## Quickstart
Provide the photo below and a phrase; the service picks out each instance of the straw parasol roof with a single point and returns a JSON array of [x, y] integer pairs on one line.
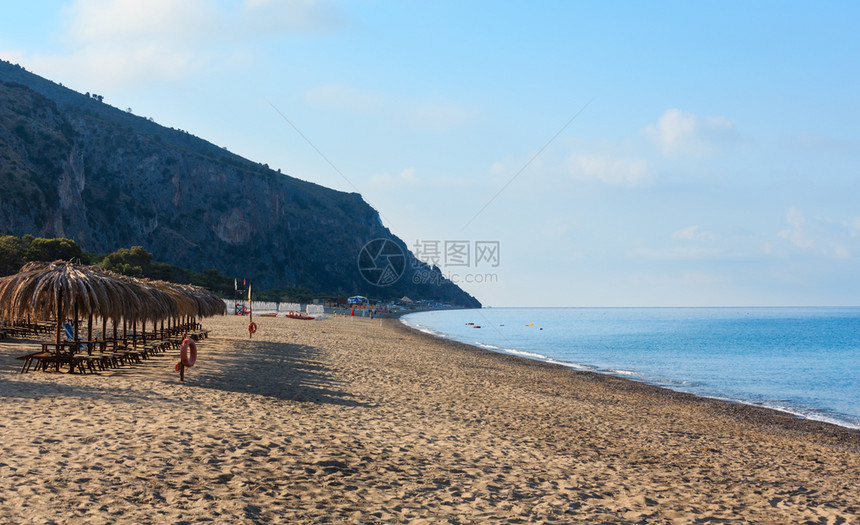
[[191, 300], [207, 304], [154, 304], [185, 305], [42, 289]]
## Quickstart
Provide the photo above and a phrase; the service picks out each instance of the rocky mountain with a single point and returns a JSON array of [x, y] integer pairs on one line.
[[73, 166]]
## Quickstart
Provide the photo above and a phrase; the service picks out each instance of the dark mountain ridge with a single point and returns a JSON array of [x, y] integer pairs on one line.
[[72, 166]]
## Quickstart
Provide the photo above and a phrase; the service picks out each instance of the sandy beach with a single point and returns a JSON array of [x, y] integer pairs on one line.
[[352, 420]]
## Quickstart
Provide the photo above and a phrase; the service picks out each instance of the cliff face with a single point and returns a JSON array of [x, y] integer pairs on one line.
[[72, 166]]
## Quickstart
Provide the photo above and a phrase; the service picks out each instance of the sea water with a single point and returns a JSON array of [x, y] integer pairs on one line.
[[805, 361]]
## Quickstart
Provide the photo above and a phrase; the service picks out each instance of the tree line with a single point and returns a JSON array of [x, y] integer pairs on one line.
[[134, 262], [15, 252]]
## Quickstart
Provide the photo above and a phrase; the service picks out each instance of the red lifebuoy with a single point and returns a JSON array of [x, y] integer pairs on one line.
[[188, 352], [252, 327]]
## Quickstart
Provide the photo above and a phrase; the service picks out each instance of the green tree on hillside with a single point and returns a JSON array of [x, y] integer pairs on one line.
[[40, 249], [134, 261], [11, 254], [16, 251]]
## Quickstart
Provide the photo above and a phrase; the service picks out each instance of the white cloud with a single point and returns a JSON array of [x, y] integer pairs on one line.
[[406, 177], [817, 236], [344, 97], [115, 42], [682, 133], [615, 171], [691, 233], [120, 42], [129, 20], [797, 233]]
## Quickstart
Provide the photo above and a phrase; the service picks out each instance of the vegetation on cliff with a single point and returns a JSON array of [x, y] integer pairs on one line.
[[135, 262]]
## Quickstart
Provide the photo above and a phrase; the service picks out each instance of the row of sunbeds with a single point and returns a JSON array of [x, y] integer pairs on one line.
[[102, 355]]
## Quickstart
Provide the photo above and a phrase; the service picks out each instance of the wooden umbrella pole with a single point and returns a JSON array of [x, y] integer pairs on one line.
[[59, 322], [90, 333], [75, 323]]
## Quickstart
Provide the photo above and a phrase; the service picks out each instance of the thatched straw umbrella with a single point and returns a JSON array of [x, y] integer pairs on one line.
[[184, 305], [208, 304], [60, 288], [193, 301], [45, 289], [156, 303]]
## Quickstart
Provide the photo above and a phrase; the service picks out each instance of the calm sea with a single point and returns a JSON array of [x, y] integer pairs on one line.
[[801, 360]]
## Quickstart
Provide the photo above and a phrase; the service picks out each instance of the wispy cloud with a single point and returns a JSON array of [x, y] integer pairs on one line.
[[680, 133], [607, 169], [816, 236], [120, 42], [410, 178], [797, 233], [406, 177], [689, 244], [692, 233]]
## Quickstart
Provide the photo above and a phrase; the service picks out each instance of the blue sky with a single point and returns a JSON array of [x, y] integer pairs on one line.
[[713, 160]]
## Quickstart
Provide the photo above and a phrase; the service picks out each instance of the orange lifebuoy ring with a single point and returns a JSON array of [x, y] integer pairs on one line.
[[252, 327], [188, 352]]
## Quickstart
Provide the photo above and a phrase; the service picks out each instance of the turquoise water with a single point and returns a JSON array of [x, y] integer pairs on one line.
[[801, 360]]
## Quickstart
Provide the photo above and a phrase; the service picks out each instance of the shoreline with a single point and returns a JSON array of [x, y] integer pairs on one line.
[[348, 420], [740, 410], [585, 368]]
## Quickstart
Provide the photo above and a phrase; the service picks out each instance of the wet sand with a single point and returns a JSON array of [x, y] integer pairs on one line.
[[349, 420]]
